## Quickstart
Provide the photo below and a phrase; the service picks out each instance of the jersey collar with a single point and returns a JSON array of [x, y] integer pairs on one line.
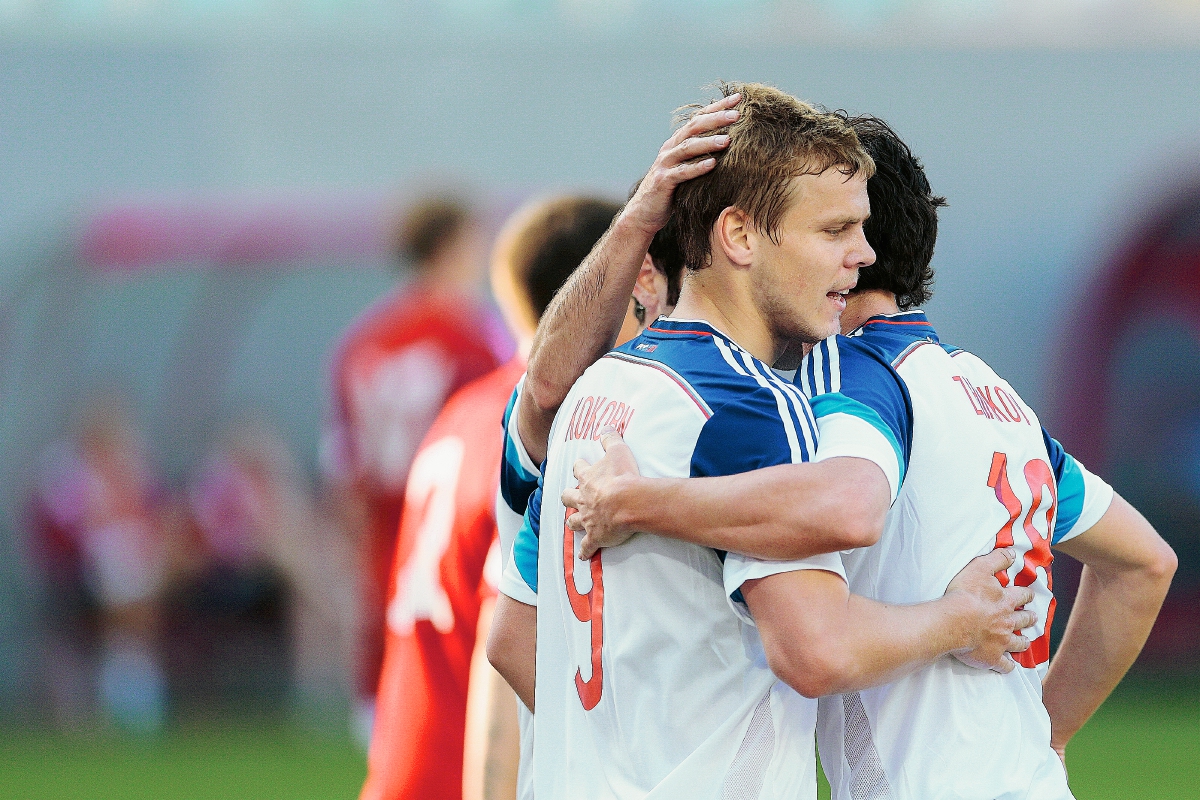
[[667, 326], [913, 324]]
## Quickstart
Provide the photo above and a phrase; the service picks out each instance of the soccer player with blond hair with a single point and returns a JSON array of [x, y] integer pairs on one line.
[[952, 463], [651, 676]]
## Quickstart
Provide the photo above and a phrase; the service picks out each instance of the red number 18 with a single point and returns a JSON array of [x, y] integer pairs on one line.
[[1038, 476]]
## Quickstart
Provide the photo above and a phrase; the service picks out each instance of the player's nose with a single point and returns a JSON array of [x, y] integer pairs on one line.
[[861, 254]]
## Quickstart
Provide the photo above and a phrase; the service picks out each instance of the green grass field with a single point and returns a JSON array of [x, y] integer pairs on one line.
[[1143, 743]]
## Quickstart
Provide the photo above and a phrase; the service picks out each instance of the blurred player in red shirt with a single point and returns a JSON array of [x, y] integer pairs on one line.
[[391, 375], [447, 562]]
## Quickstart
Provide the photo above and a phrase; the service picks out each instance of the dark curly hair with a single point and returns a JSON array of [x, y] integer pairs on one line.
[[902, 228]]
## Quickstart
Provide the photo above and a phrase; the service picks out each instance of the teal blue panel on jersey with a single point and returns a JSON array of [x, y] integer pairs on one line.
[[525, 548], [1071, 490], [837, 403], [516, 482]]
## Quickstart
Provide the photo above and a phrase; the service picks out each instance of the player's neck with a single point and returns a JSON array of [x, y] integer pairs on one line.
[[861, 306], [727, 305]]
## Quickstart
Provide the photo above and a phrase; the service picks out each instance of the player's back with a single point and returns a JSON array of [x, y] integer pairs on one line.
[[980, 474], [649, 684], [393, 370], [447, 533]]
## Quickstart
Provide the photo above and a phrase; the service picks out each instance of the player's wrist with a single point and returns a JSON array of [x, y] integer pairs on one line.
[[966, 619], [637, 222], [633, 506]]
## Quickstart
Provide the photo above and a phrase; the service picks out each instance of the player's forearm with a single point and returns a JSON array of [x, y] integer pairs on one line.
[[1127, 572], [499, 762], [1112, 617], [820, 639], [787, 512], [876, 643], [491, 748], [512, 646], [579, 326]]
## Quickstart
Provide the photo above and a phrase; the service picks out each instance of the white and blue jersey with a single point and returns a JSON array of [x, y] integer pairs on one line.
[[651, 677], [519, 477], [518, 480], [970, 469]]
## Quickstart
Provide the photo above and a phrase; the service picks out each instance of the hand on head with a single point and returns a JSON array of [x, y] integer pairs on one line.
[[680, 159]]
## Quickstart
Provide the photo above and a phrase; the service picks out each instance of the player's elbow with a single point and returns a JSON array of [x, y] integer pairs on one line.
[[858, 502], [1161, 565], [813, 666], [812, 677], [862, 526], [501, 650], [545, 394]]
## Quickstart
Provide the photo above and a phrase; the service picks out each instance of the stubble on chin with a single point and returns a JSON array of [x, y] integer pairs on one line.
[[787, 319]]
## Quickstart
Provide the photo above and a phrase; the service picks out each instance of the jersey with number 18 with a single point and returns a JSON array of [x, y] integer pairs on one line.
[[971, 469]]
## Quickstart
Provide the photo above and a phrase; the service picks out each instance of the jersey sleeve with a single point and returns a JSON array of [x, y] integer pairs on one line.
[[518, 473], [862, 406], [765, 428], [520, 578], [1083, 498]]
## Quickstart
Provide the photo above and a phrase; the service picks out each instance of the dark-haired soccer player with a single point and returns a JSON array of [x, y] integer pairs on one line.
[[969, 469], [391, 374], [651, 676]]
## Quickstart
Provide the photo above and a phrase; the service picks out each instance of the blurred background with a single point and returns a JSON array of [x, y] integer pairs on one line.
[[198, 198]]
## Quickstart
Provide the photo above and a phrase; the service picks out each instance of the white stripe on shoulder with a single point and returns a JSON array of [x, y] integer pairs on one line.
[[818, 373], [724, 348], [835, 365], [781, 404], [805, 414]]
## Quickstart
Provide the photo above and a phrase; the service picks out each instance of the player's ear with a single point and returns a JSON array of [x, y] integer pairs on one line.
[[733, 234], [651, 289]]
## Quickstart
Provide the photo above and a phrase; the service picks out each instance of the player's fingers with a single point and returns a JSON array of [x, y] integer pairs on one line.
[[1025, 619], [1018, 596], [703, 123], [690, 149], [715, 115], [587, 547], [1006, 665], [575, 522], [729, 101], [609, 437], [1018, 644], [998, 560], [572, 498], [579, 467], [690, 169]]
